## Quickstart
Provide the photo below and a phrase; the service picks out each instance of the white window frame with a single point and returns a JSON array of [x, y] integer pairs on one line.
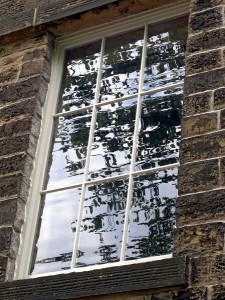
[[166, 12]]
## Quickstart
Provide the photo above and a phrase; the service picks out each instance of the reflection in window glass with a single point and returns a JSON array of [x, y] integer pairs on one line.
[[69, 150], [102, 223], [100, 153], [79, 77], [121, 65], [165, 62], [152, 215], [159, 135], [55, 241], [113, 138]]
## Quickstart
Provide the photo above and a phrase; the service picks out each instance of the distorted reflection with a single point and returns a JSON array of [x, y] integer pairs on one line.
[[69, 150], [152, 215], [165, 63], [159, 135], [113, 138], [79, 77], [102, 223], [55, 241], [121, 65]]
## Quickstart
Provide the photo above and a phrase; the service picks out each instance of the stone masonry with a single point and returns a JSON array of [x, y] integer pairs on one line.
[[25, 68]]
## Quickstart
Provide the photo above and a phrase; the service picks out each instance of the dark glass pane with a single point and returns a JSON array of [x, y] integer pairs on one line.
[[79, 77], [55, 240], [165, 62], [121, 65], [69, 150], [159, 135], [113, 138], [152, 215], [102, 223]]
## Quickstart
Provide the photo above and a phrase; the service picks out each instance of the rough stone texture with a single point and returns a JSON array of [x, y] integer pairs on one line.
[[218, 292], [9, 242], [206, 40], [199, 239], [12, 213], [198, 5], [196, 177], [200, 208], [196, 293], [208, 270], [206, 20], [196, 104], [203, 62], [4, 262], [219, 98], [196, 125], [198, 148], [205, 81]]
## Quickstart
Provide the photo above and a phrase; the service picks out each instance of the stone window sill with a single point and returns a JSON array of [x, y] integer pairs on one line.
[[165, 273]]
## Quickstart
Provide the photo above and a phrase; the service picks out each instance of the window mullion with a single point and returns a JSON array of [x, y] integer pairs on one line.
[[91, 136], [135, 146]]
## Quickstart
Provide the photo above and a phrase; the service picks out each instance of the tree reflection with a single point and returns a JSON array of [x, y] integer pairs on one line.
[[152, 210]]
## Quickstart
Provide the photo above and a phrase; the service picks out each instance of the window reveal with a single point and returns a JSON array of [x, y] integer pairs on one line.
[[110, 188]]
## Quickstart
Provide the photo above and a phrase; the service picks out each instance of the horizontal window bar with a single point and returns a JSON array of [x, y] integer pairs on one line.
[[99, 104], [108, 179]]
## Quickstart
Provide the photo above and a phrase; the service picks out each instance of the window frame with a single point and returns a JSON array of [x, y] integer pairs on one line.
[[166, 12]]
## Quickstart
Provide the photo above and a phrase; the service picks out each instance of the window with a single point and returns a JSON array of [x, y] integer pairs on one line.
[[106, 192]]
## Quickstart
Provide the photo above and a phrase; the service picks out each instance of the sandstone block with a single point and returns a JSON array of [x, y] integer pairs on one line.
[[195, 125], [9, 242], [203, 62], [205, 81], [202, 147], [199, 239], [199, 176], [197, 104]]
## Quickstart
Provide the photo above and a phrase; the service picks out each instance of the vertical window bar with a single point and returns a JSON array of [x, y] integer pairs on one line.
[[135, 145], [89, 148]]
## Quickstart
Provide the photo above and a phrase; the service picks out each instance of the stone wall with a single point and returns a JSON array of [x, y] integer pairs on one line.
[[25, 66]]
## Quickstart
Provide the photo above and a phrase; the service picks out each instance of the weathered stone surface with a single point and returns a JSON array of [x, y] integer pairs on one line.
[[15, 163], [9, 75], [9, 242], [222, 119], [199, 124], [12, 213], [28, 107], [203, 62], [14, 185], [222, 170], [207, 19], [202, 207], [202, 147], [205, 81], [208, 270], [21, 125], [219, 98], [3, 268], [195, 293], [197, 5], [199, 239], [207, 40], [34, 86], [22, 143], [199, 176], [39, 66], [218, 292], [197, 104]]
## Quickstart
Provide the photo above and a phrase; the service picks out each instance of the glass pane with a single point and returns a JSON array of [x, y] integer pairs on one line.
[[55, 240], [113, 138], [152, 215], [102, 223], [159, 135], [69, 150], [121, 65], [79, 77], [165, 62]]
